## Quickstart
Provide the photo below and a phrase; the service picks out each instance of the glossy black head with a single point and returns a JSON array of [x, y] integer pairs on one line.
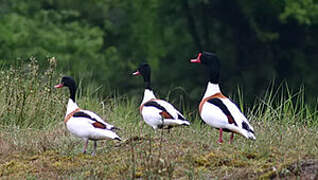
[[213, 64], [69, 82], [144, 70]]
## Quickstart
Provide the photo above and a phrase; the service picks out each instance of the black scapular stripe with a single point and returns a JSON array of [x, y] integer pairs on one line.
[[180, 117], [81, 114], [97, 124], [246, 127], [217, 102], [156, 105]]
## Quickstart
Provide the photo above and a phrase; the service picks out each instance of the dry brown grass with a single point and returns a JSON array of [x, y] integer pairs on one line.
[[279, 152]]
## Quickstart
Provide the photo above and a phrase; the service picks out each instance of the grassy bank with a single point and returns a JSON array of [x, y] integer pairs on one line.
[[34, 142]]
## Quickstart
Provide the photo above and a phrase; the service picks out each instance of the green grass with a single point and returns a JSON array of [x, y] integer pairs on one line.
[[34, 143]]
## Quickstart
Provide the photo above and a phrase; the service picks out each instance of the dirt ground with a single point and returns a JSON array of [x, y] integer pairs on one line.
[[306, 170]]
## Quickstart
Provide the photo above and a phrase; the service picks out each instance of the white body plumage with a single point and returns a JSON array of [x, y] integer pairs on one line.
[[214, 116], [83, 127], [157, 113]]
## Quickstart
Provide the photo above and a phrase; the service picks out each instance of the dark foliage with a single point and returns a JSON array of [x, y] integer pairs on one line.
[[104, 41]]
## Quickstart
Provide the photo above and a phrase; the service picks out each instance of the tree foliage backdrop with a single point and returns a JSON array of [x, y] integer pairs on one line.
[[103, 41]]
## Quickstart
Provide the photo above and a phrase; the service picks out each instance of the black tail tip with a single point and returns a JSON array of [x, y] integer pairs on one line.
[[117, 138], [115, 128], [186, 124]]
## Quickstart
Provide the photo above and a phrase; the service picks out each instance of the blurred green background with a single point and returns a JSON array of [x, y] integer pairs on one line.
[[103, 42]]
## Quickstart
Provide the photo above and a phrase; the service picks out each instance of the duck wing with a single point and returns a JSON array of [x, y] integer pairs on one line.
[[93, 119], [239, 118], [218, 102], [165, 109]]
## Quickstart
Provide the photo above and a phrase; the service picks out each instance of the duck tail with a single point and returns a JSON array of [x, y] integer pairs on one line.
[[114, 128], [186, 123], [251, 135]]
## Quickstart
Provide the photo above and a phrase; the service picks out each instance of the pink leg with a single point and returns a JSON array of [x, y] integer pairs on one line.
[[221, 136], [95, 147], [140, 124], [231, 139], [85, 146]]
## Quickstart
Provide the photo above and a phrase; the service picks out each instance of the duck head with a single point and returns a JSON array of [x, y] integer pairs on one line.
[[69, 82], [211, 61], [145, 71]]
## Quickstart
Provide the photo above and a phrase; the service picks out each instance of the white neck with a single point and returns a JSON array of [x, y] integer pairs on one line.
[[211, 90], [148, 94], [71, 106]]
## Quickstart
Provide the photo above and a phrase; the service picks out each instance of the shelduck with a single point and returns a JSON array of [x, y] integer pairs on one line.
[[83, 123], [157, 113], [217, 110]]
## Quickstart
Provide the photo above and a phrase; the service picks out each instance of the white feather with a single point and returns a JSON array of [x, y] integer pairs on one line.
[[215, 117], [152, 117], [98, 118], [83, 127], [148, 95], [211, 90], [71, 106]]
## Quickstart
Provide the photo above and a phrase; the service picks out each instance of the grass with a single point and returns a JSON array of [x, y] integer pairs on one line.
[[34, 143]]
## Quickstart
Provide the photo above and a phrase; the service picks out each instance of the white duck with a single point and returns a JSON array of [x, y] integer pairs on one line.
[[83, 123], [217, 110], [157, 113]]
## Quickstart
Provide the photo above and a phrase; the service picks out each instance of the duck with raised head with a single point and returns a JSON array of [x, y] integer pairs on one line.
[[157, 113], [217, 110], [83, 123]]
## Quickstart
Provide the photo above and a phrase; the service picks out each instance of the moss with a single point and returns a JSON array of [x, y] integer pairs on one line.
[[16, 168], [139, 172], [250, 155], [215, 159], [239, 163], [268, 175], [205, 160]]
